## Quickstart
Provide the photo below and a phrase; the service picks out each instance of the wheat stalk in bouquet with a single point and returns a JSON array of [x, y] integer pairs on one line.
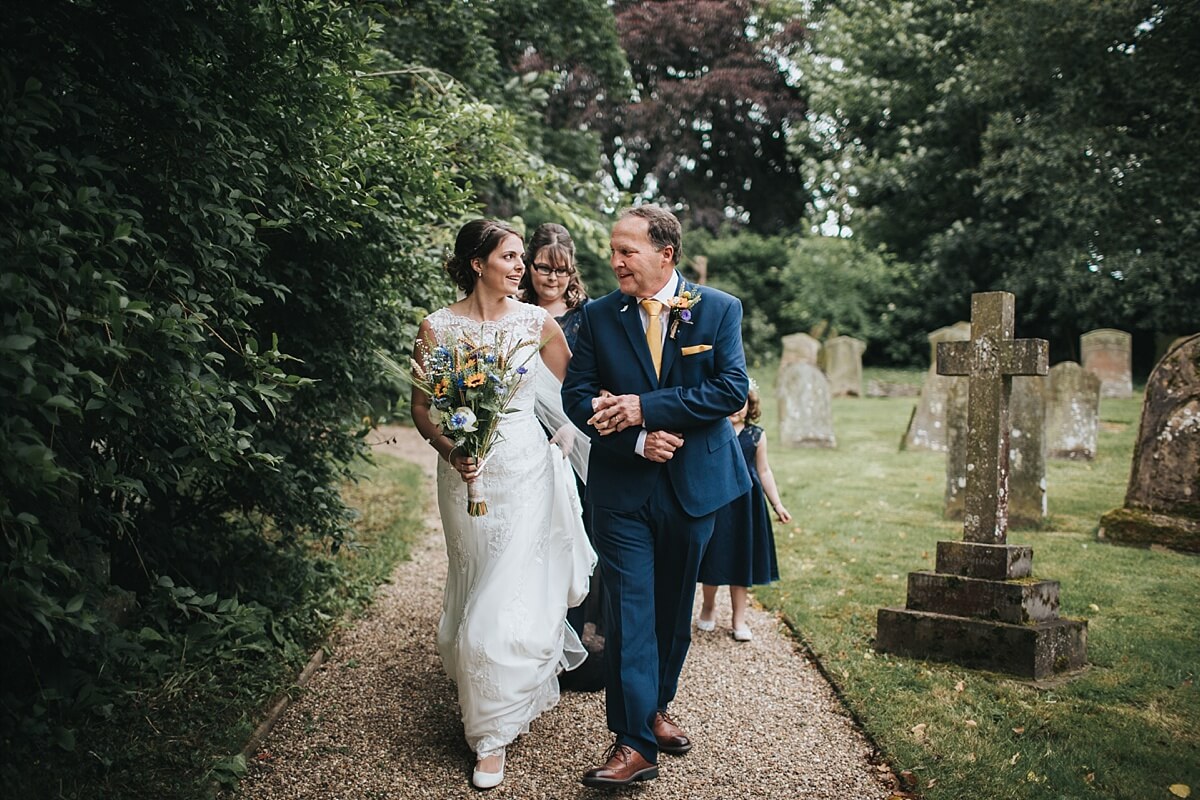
[[470, 383]]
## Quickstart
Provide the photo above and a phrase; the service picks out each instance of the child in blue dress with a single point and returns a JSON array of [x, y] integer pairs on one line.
[[741, 553]]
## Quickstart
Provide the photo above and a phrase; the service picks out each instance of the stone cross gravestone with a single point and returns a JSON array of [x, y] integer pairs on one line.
[[842, 360], [1106, 352], [805, 411], [1072, 412], [981, 608], [1026, 452], [927, 426], [1162, 503]]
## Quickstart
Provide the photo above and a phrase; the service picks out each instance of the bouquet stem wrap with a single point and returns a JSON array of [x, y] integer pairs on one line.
[[476, 503]]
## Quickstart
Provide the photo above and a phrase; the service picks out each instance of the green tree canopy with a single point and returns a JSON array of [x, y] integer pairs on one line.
[[1041, 148]]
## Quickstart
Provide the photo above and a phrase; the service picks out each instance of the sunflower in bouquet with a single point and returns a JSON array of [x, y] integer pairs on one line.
[[470, 384]]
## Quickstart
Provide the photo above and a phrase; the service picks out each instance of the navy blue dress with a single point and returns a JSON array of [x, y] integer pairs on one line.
[[570, 322], [742, 549]]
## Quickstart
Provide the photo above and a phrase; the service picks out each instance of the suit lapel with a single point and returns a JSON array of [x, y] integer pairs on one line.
[[631, 320], [671, 346]]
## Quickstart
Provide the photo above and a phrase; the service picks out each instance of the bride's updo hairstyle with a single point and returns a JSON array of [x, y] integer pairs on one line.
[[477, 239]]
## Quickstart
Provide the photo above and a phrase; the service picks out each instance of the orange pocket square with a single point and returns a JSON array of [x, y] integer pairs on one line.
[[695, 348]]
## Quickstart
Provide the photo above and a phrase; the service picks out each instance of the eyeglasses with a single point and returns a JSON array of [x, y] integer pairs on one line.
[[547, 270]]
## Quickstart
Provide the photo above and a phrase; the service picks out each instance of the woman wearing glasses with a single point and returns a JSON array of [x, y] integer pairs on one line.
[[551, 279]]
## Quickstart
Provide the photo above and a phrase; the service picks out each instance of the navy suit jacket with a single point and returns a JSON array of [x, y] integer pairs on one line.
[[703, 381]]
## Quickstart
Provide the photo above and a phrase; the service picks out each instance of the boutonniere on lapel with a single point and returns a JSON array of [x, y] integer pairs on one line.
[[681, 306]]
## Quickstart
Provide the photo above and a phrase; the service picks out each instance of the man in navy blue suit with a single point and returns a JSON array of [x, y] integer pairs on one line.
[[657, 368]]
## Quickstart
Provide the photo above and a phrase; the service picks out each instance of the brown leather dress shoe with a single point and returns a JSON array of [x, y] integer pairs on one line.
[[671, 738], [624, 766]]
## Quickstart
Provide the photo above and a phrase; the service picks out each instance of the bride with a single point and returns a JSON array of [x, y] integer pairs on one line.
[[514, 571]]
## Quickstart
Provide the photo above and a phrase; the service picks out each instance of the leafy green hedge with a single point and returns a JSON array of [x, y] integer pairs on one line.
[[211, 221]]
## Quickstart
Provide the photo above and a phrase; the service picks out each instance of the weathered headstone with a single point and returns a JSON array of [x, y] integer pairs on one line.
[[799, 348], [1072, 412], [927, 426], [956, 450], [1106, 352], [805, 411], [842, 360], [980, 607], [1026, 452], [1162, 503]]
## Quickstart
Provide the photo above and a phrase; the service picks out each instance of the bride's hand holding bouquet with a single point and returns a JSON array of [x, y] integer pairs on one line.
[[470, 385]]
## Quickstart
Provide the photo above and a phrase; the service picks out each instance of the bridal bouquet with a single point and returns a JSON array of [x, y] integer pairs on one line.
[[470, 386]]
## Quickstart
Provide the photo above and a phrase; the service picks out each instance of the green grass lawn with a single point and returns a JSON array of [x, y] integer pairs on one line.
[[866, 514]]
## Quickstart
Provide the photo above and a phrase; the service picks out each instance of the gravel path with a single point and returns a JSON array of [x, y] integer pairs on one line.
[[379, 719]]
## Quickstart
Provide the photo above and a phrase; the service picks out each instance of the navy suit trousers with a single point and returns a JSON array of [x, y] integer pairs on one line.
[[650, 560]]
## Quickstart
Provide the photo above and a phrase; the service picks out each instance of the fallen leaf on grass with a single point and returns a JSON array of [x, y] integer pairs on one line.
[[1093, 607], [971, 723], [1015, 758], [918, 731], [958, 687], [1180, 790], [1019, 731]]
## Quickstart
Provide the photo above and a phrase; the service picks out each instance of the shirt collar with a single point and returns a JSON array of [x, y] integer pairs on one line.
[[667, 292]]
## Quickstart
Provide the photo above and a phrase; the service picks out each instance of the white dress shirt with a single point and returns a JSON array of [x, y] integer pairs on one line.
[[663, 295]]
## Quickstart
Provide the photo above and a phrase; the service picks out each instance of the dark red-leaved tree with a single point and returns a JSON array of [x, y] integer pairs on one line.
[[714, 98]]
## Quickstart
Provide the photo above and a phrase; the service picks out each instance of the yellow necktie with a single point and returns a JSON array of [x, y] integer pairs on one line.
[[654, 333]]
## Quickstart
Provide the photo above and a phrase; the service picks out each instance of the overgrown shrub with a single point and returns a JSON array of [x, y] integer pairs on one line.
[[209, 224]]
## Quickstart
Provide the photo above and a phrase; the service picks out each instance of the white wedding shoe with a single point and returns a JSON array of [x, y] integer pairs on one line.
[[703, 624], [488, 780]]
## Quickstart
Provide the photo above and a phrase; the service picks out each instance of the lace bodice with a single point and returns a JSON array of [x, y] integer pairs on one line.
[[523, 324]]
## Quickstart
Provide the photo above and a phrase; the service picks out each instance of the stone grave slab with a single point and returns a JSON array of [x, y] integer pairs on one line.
[[1162, 502], [799, 348], [842, 360], [927, 425], [1107, 353], [805, 409], [1072, 412]]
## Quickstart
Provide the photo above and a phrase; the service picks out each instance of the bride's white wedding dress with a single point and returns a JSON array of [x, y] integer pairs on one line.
[[503, 636]]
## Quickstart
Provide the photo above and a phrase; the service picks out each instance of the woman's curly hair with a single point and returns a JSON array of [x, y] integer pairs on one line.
[[477, 239]]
